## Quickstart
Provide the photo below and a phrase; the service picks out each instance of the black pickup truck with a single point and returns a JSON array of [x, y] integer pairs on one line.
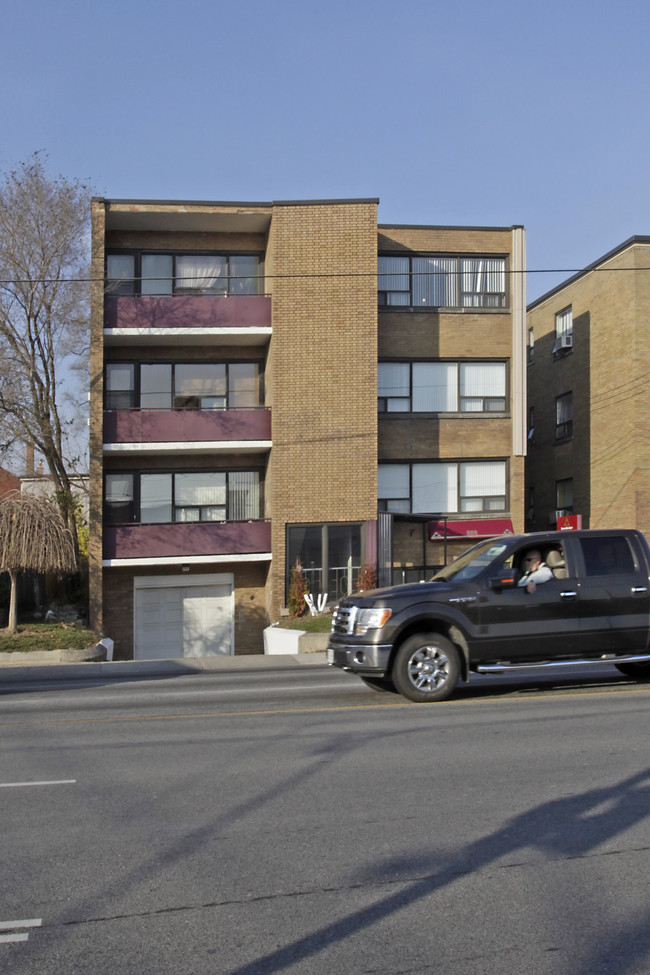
[[475, 616]]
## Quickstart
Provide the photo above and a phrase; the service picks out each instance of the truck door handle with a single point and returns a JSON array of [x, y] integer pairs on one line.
[[568, 594], [639, 588]]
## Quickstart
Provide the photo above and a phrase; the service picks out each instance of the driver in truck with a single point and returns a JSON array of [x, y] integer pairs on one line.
[[535, 571]]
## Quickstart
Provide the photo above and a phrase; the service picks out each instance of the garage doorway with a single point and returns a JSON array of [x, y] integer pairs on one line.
[[179, 616]]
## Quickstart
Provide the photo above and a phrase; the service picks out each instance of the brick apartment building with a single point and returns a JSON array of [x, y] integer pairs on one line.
[[274, 380], [588, 413]]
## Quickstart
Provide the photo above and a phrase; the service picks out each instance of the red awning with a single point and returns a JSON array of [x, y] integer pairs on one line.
[[485, 528]]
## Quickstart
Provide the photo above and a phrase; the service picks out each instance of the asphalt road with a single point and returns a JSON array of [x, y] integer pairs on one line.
[[296, 821]]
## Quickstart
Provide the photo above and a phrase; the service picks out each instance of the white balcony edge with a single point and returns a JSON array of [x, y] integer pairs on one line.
[[227, 335], [203, 446], [188, 560]]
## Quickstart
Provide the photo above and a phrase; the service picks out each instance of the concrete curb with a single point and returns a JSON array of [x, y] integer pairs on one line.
[[134, 669]]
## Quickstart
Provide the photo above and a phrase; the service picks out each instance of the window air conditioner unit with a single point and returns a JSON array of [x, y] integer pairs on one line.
[[565, 341]]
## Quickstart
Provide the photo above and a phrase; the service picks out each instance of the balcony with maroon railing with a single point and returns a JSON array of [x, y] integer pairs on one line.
[[187, 540], [185, 311], [234, 426]]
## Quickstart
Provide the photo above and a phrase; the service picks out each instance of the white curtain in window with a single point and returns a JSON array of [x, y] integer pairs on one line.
[[434, 282], [202, 273], [434, 488], [483, 379], [155, 497], [484, 479], [243, 495], [564, 408], [481, 276], [564, 322], [200, 489], [435, 387]]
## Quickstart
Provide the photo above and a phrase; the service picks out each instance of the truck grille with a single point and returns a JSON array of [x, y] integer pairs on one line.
[[344, 619]]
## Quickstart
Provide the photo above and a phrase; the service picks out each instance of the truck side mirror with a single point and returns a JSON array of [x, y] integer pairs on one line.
[[507, 579]]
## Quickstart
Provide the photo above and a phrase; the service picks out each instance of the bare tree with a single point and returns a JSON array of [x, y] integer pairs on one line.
[[33, 537], [44, 316]]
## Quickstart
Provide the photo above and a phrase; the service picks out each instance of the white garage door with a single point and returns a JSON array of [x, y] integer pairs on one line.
[[188, 620]]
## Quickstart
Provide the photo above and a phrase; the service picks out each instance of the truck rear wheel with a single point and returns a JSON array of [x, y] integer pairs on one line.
[[426, 668]]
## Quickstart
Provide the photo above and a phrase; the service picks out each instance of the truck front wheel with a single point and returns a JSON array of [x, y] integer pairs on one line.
[[426, 668]]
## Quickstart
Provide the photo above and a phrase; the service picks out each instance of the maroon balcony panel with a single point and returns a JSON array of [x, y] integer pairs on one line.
[[234, 538], [187, 311], [186, 426]]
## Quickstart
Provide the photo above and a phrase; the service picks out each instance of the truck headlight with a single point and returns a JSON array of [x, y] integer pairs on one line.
[[371, 619]]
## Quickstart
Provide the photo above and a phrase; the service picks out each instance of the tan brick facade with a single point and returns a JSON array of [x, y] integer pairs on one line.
[[606, 371], [319, 367]]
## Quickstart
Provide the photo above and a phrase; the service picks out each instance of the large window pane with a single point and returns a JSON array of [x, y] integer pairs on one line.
[[393, 480], [243, 495], [483, 486], [435, 387], [120, 385], [200, 386], [118, 498], [155, 498], [482, 282], [305, 542], [393, 387], [157, 274], [155, 387], [120, 274], [204, 274], [394, 282], [434, 488], [243, 385], [483, 386], [243, 275], [434, 282]]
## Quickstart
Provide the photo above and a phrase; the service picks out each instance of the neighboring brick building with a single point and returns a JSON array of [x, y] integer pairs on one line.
[[234, 420], [9, 483], [588, 346]]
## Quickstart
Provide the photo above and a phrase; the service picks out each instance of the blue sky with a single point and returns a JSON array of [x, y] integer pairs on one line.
[[474, 113]]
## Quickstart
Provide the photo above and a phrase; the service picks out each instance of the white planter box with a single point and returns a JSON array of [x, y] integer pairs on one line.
[[277, 640]]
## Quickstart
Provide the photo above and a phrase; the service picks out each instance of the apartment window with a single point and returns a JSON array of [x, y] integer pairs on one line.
[[181, 496], [330, 555], [563, 331], [452, 486], [531, 346], [531, 423], [564, 496], [182, 385], [166, 274], [119, 388], [438, 281], [564, 416], [442, 387]]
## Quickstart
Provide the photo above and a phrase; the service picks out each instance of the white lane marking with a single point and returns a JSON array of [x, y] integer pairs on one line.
[[18, 785], [32, 922]]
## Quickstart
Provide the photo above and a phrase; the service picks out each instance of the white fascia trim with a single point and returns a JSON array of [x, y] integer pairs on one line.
[[188, 560], [186, 446]]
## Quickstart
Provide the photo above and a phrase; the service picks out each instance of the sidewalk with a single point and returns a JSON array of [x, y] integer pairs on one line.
[[56, 669]]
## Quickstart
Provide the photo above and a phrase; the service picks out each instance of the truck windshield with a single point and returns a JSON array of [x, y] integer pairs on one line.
[[471, 563]]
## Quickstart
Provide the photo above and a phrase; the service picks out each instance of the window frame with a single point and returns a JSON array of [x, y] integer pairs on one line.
[[133, 286], [136, 499], [564, 428], [325, 568], [403, 504], [136, 392], [458, 273], [459, 363]]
